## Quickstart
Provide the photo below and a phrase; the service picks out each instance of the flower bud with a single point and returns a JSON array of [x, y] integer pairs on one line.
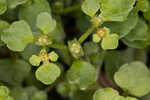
[[75, 48]]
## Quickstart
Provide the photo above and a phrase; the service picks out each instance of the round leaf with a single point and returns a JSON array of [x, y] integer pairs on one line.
[[116, 10], [134, 78], [110, 42], [45, 22], [81, 73], [17, 36], [4, 91], [107, 94], [35, 60], [90, 7], [48, 73]]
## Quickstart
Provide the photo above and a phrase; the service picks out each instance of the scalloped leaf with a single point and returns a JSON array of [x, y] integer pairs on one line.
[[90, 7], [14, 3], [133, 78], [116, 10], [110, 42], [17, 36], [45, 22], [47, 73]]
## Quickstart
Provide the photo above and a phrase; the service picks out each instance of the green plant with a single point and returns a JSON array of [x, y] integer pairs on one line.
[[77, 49]]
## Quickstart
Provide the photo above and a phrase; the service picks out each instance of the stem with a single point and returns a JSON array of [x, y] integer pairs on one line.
[[59, 46], [72, 8], [86, 34]]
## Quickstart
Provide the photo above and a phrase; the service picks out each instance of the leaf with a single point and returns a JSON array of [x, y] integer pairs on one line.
[[35, 60], [107, 94], [63, 88], [14, 3], [31, 11], [17, 36], [110, 42], [4, 91], [90, 7], [82, 74], [18, 93], [116, 10], [140, 32], [53, 56], [138, 43], [13, 71], [143, 5], [133, 78], [123, 28], [3, 25], [40, 95], [45, 22], [88, 48], [3, 6], [147, 15], [47, 73]]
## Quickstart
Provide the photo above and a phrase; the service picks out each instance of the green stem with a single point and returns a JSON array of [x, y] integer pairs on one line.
[[86, 34], [71, 9], [59, 46]]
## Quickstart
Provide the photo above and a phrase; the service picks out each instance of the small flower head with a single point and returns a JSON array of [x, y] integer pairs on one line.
[[75, 48]]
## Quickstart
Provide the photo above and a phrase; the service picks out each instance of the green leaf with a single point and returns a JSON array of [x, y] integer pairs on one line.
[[143, 5], [110, 42], [88, 48], [17, 36], [53, 56], [35, 60], [18, 93], [31, 11], [3, 25], [116, 10], [13, 71], [45, 22], [63, 88], [96, 38], [47, 73], [31, 90], [147, 15], [140, 32], [82, 74], [138, 43], [4, 91], [90, 7], [3, 6], [133, 78], [40, 95], [123, 28], [107, 94], [14, 3]]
